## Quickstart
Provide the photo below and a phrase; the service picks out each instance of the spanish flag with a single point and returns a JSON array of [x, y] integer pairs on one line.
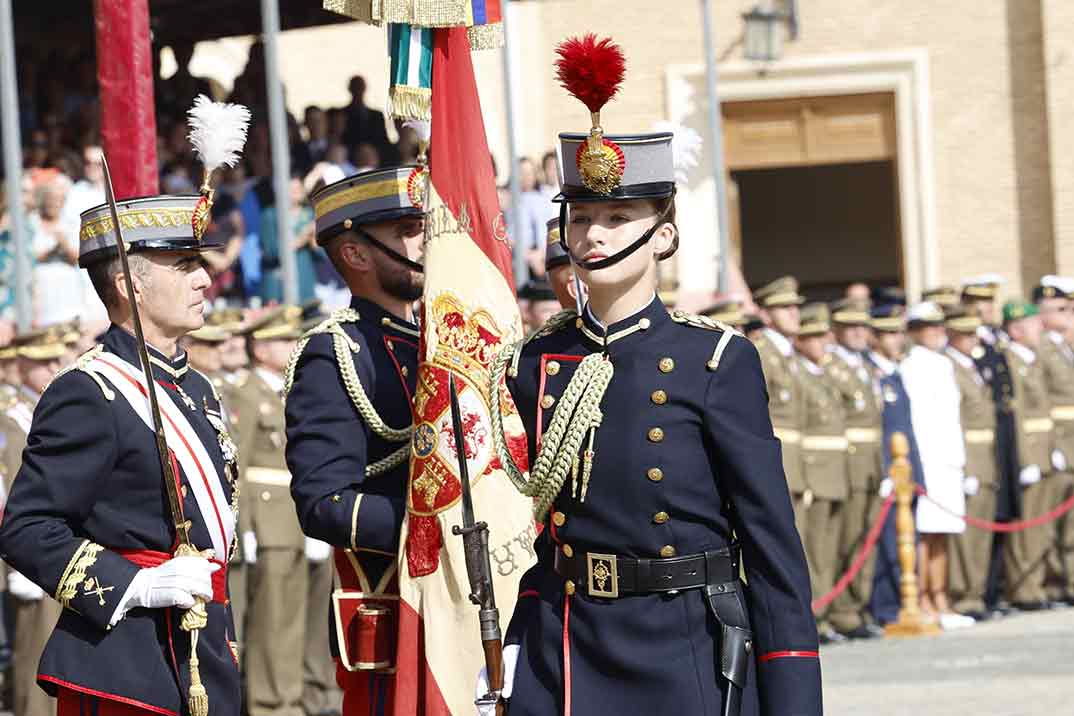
[[469, 314]]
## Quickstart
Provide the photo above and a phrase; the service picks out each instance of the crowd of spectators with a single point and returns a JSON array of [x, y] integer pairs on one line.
[[59, 116]]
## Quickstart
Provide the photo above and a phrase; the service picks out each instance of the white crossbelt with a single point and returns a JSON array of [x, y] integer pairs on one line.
[[204, 480], [1037, 425], [787, 435], [982, 436], [863, 435], [268, 476]]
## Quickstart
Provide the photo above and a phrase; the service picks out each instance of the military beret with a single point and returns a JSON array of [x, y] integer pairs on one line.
[[1017, 310]]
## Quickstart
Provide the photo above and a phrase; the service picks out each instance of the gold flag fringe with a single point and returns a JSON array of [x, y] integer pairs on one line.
[[409, 102], [485, 37], [357, 9]]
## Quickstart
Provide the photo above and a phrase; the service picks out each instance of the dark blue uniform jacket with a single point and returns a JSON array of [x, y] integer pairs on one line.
[[90, 486]]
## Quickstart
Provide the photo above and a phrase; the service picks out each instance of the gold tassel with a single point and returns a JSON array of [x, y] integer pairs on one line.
[[409, 102], [587, 463], [198, 697], [485, 37], [193, 621], [574, 476]]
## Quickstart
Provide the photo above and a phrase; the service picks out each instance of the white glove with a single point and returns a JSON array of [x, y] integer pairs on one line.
[[249, 547], [317, 551], [887, 486], [1029, 474], [510, 661], [23, 589], [1059, 460], [176, 583], [971, 485]]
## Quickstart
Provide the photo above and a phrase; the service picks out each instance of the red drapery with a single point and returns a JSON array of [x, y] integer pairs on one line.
[[125, 77]]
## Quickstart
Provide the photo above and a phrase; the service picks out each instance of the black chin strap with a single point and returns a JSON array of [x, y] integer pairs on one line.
[[391, 253], [616, 258]]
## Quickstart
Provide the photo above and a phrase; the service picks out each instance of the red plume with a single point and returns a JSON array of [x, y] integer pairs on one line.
[[590, 69]]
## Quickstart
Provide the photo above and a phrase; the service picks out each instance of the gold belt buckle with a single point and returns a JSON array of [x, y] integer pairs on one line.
[[603, 578]]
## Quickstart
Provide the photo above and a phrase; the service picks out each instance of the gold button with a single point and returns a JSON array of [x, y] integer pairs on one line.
[[183, 490], [667, 551], [655, 474], [644, 324], [656, 435], [659, 397], [577, 322], [347, 223], [404, 370], [384, 321], [266, 496], [336, 498], [548, 401], [552, 368], [568, 551], [660, 518], [559, 519], [666, 365], [568, 587]]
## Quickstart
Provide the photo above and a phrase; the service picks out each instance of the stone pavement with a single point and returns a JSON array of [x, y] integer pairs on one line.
[[1019, 666]]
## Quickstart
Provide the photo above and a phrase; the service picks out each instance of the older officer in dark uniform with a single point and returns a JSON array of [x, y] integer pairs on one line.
[[651, 444], [88, 519], [348, 406]]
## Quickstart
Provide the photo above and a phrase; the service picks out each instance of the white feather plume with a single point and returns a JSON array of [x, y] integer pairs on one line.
[[422, 128], [686, 146], [217, 132]]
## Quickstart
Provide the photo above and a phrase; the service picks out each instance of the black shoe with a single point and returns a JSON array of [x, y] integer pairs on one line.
[[982, 615], [864, 631], [831, 636], [1031, 606]]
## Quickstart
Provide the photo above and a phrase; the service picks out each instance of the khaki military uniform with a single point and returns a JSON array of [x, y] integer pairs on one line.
[[227, 386], [824, 476], [1028, 551], [785, 409], [288, 596], [1057, 359], [862, 406], [971, 551], [34, 620]]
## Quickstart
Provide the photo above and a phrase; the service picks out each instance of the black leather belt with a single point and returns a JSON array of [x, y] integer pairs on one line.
[[611, 576]]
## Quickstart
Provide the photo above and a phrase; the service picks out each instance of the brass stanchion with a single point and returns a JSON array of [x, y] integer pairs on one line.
[[910, 621]]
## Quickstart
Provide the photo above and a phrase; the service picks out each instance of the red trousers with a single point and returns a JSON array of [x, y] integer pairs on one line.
[[75, 703], [365, 693]]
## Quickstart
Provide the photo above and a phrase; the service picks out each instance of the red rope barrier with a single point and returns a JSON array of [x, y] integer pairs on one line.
[[1047, 517], [859, 559]]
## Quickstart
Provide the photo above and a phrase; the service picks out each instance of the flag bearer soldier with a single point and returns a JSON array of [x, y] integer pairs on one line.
[[274, 546], [824, 458], [1028, 551], [979, 296], [38, 357], [88, 520], [779, 302], [635, 604], [971, 551], [855, 380], [349, 410], [1057, 359]]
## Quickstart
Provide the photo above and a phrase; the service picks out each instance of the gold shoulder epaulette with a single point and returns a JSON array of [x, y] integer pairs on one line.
[[557, 322], [344, 347], [726, 333], [82, 363]]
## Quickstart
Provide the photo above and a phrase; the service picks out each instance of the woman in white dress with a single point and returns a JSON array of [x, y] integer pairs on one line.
[[934, 412]]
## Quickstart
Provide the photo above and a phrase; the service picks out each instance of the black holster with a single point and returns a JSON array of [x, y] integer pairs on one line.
[[728, 607]]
